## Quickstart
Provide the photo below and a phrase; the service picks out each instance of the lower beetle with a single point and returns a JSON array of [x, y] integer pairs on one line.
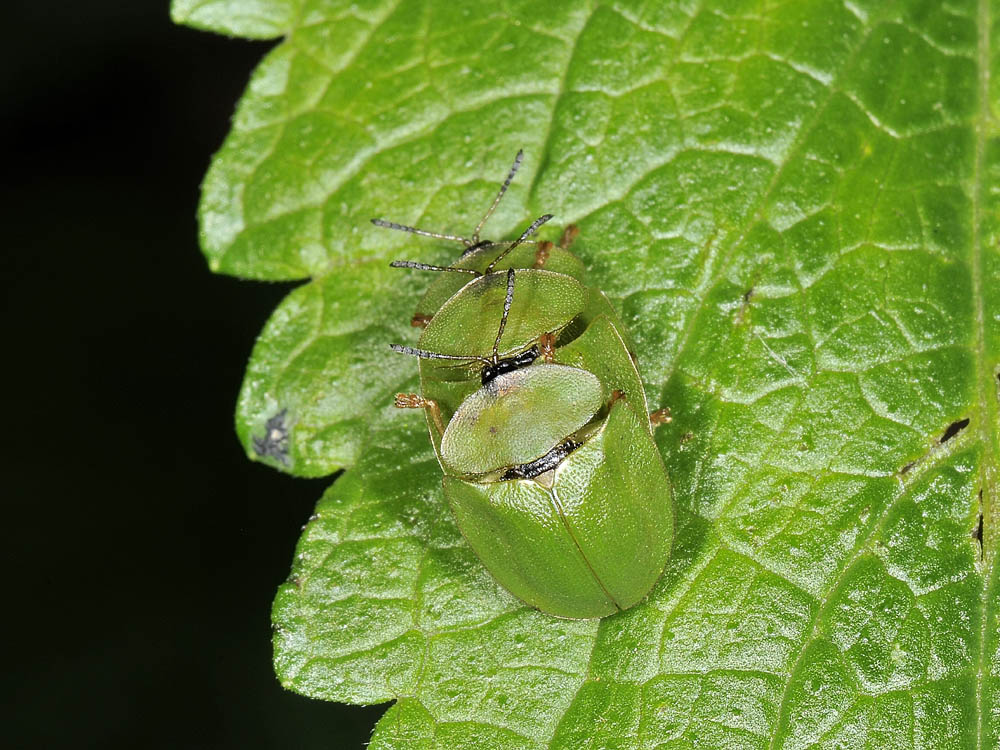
[[549, 463]]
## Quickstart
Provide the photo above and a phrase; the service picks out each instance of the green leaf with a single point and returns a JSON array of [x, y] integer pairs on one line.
[[795, 208], [255, 19]]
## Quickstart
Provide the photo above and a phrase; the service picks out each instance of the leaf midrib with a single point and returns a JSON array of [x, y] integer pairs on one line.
[[987, 406]]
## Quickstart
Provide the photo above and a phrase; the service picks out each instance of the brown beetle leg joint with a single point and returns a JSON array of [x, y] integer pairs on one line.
[[660, 417], [542, 253], [569, 236], [547, 346]]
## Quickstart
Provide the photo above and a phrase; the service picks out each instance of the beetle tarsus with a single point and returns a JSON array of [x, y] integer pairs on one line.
[[569, 236], [409, 401], [660, 417], [416, 401], [542, 253], [547, 347]]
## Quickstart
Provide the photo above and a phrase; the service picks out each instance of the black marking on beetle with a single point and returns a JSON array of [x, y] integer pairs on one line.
[[906, 468], [953, 429], [541, 465], [274, 443], [492, 371]]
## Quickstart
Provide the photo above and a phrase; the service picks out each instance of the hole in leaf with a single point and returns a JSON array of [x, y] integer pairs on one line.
[[977, 533], [954, 428]]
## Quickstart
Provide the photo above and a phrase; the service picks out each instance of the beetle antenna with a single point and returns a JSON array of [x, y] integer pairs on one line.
[[421, 232], [424, 354], [506, 311], [524, 235], [503, 189], [429, 267]]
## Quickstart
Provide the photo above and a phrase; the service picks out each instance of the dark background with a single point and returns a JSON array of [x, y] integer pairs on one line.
[[141, 547]]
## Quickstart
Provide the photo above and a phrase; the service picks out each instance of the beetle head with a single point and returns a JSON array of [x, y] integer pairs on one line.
[[495, 365]]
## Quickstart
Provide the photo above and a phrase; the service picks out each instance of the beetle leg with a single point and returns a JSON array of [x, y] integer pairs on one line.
[[420, 321], [657, 418], [568, 236], [660, 417], [547, 345], [414, 401], [542, 253]]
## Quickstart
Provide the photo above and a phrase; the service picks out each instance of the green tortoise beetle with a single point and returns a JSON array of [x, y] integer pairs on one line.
[[549, 463]]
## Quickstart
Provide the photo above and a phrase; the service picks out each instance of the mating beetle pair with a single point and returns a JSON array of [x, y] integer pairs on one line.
[[538, 418]]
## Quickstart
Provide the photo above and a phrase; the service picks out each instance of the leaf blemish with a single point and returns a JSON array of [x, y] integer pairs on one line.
[[274, 443], [744, 306], [953, 429]]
